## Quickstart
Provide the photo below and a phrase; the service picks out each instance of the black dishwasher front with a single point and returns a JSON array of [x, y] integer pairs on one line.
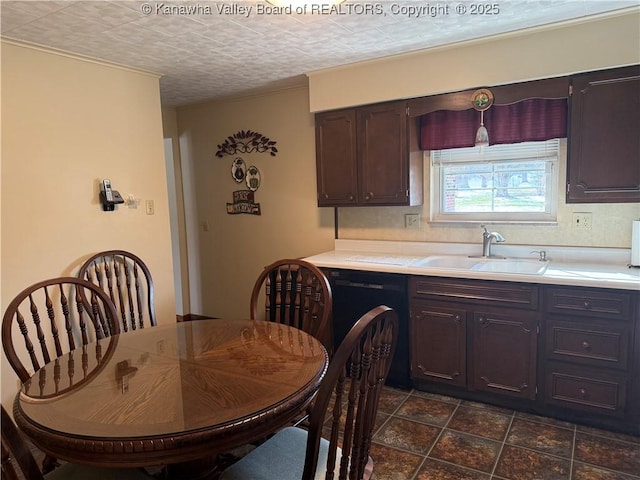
[[355, 292]]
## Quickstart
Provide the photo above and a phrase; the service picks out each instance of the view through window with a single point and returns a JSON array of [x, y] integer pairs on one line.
[[515, 182]]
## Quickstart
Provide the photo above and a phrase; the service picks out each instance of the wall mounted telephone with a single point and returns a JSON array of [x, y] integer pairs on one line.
[[108, 197]]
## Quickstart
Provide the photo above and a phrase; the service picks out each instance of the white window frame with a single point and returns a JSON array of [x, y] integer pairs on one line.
[[547, 151]]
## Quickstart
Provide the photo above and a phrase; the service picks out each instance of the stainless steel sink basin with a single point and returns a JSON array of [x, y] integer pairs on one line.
[[497, 265]]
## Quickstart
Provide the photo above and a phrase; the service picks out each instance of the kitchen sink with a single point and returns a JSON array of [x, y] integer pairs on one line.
[[497, 265]]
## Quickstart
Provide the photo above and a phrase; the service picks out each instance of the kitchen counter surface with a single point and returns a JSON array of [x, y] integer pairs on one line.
[[574, 266]]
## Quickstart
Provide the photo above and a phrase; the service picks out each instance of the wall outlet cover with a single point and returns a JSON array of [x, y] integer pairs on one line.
[[412, 220]]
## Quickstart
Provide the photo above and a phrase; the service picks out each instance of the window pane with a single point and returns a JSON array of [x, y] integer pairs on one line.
[[495, 187]]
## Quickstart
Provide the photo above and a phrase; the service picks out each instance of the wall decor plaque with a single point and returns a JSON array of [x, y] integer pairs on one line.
[[243, 202], [253, 178], [238, 170]]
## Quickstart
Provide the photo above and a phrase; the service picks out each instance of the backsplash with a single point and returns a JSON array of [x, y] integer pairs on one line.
[[612, 223]]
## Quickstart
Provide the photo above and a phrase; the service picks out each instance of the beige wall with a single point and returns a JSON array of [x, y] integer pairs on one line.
[[611, 223], [611, 40], [234, 250], [67, 124]]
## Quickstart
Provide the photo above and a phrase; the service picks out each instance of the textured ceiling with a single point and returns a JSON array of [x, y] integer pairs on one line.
[[206, 50]]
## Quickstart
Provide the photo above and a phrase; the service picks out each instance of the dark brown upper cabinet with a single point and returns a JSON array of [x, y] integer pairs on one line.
[[362, 157], [603, 158]]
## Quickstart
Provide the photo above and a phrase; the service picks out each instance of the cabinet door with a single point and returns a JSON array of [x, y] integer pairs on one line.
[[504, 352], [336, 158], [383, 154], [604, 151], [438, 344]]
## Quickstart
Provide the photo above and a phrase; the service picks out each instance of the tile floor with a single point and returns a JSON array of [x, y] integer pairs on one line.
[[422, 436]]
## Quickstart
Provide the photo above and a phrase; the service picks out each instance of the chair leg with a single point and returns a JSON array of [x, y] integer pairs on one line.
[[49, 464]]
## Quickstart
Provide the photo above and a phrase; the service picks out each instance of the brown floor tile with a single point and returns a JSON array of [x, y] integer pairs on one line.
[[436, 470], [541, 437], [392, 464], [486, 406], [522, 464], [380, 419], [582, 471], [408, 435], [484, 423], [466, 450], [546, 420], [435, 396], [391, 399], [604, 433], [608, 453], [426, 410]]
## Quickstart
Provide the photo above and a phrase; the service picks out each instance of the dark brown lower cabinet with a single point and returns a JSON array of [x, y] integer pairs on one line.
[[439, 343], [591, 356], [567, 352], [474, 334], [503, 358]]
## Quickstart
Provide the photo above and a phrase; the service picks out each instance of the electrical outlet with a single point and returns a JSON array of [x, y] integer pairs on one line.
[[582, 220], [412, 220], [150, 208]]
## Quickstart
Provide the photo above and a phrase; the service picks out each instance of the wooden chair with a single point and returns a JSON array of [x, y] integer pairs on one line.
[[127, 280], [19, 464], [344, 411], [298, 294], [49, 310]]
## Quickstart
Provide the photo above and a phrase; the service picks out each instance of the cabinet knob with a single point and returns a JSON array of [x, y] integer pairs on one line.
[[586, 345], [482, 320], [587, 304], [351, 197], [326, 196], [368, 196], [582, 392]]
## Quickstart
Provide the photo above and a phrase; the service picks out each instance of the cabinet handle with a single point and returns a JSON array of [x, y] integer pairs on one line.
[[586, 345]]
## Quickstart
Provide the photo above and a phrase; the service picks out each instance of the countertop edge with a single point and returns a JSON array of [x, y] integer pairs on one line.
[[579, 272]]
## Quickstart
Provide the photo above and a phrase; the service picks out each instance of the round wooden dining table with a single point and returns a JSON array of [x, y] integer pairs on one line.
[[173, 395]]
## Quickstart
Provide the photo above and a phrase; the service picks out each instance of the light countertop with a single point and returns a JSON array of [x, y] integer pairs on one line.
[[575, 266]]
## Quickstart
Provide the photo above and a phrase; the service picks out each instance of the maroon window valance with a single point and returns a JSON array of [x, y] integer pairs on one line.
[[534, 119]]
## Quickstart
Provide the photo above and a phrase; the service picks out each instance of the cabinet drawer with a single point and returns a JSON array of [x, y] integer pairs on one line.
[[589, 344], [585, 389], [505, 294], [589, 302]]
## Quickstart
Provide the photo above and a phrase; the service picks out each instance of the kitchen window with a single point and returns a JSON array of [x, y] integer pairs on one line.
[[500, 183]]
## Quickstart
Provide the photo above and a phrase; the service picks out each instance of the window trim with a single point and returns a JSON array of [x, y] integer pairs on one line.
[[436, 214]]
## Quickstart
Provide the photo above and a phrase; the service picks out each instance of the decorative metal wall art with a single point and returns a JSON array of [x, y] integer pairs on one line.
[[247, 141]]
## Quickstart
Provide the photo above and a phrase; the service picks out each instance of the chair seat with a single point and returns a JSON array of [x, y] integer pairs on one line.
[[279, 458], [70, 471]]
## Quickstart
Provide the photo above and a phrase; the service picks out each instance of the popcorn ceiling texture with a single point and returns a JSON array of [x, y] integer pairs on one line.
[[219, 49]]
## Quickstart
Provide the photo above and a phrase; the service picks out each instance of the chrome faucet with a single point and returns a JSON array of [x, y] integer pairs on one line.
[[487, 237]]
